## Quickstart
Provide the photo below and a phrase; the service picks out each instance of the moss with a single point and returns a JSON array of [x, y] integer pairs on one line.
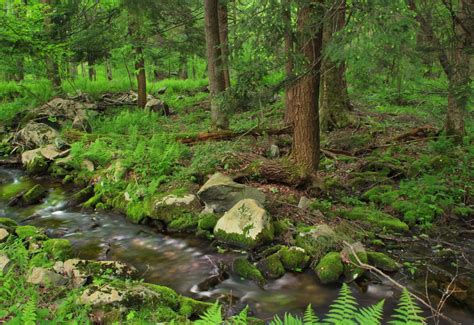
[[37, 166], [366, 179], [7, 222], [270, 250], [293, 259], [208, 221], [330, 268], [271, 266], [184, 223], [168, 296], [375, 218], [59, 249], [34, 195], [317, 241], [282, 226], [10, 190], [164, 314], [81, 196], [378, 193], [25, 232], [247, 270], [351, 270], [93, 201], [192, 308], [382, 261]]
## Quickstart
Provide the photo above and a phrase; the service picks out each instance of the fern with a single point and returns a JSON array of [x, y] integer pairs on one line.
[[310, 317], [344, 308], [371, 315], [29, 315], [288, 319], [407, 311], [241, 318], [213, 316]]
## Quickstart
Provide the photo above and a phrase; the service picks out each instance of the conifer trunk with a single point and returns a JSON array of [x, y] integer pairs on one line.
[[224, 40], [215, 65], [303, 95], [141, 77], [289, 43]]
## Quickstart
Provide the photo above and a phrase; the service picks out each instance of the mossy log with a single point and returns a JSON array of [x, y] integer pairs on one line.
[[281, 171]]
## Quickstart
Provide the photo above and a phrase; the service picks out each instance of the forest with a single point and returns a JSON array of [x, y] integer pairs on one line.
[[280, 162]]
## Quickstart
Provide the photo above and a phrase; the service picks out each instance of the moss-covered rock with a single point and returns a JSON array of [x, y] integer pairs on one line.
[[246, 225], [34, 195], [58, 249], [351, 269], [247, 270], [192, 308], [8, 223], [375, 218], [187, 222], [208, 221], [167, 208], [282, 226], [330, 268], [81, 196], [382, 262], [317, 240], [293, 259], [271, 267], [25, 232]]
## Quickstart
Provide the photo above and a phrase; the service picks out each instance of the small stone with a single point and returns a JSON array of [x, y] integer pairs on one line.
[[330, 268], [4, 263], [88, 165], [271, 267], [34, 195], [293, 259], [45, 278], [102, 296], [3, 235], [274, 151], [247, 270], [304, 203], [162, 90]]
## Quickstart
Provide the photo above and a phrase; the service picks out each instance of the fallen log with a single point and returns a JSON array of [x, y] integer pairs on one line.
[[228, 135]]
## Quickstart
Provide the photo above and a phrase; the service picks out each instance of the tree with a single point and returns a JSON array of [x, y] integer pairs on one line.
[[334, 104], [303, 94], [289, 43], [224, 39], [453, 40], [214, 63], [52, 66]]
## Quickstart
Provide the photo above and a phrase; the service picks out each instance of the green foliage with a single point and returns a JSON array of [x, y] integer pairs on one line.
[[212, 316], [343, 308], [407, 311]]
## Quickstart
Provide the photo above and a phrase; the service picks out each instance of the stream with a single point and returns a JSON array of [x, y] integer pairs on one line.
[[177, 261]]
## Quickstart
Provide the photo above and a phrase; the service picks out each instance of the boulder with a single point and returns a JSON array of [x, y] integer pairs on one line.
[[351, 270], [104, 295], [51, 152], [294, 259], [35, 135], [58, 249], [220, 193], [34, 162], [247, 270], [4, 263], [3, 235], [317, 240], [34, 195], [158, 106], [330, 268], [271, 267], [81, 122], [382, 262], [247, 225], [60, 111], [177, 209], [45, 278]]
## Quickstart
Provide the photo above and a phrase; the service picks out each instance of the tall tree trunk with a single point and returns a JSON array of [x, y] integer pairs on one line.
[[92, 72], [334, 105], [52, 67], [224, 39], [108, 69], [83, 70], [141, 77], [289, 44], [72, 70], [183, 67], [215, 65], [20, 69], [303, 95]]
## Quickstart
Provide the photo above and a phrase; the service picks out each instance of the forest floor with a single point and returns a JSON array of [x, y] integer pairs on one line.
[[391, 180]]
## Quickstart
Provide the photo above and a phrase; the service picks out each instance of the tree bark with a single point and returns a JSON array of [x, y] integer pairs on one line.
[[183, 69], [108, 69], [52, 67], [141, 77], [224, 39], [334, 105], [91, 70], [303, 95], [289, 44], [215, 66]]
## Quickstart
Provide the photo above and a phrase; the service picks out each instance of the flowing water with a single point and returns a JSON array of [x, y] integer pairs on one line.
[[179, 262]]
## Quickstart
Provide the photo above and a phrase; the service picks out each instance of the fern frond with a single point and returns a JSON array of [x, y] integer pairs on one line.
[[276, 321], [371, 315], [310, 317], [241, 318], [343, 309], [212, 316], [288, 319], [29, 316], [407, 312]]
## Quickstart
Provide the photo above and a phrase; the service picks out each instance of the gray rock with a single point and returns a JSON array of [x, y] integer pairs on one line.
[[100, 296], [4, 263], [274, 151], [35, 135], [162, 90], [220, 193], [3, 235], [158, 106], [246, 225], [174, 200], [45, 278], [304, 203]]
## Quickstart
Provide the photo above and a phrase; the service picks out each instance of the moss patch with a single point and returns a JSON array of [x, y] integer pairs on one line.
[[184, 223], [375, 217], [192, 308], [58, 249], [382, 261], [271, 266], [330, 268], [247, 270], [25, 232], [207, 222], [34, 195], [293, 259]]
